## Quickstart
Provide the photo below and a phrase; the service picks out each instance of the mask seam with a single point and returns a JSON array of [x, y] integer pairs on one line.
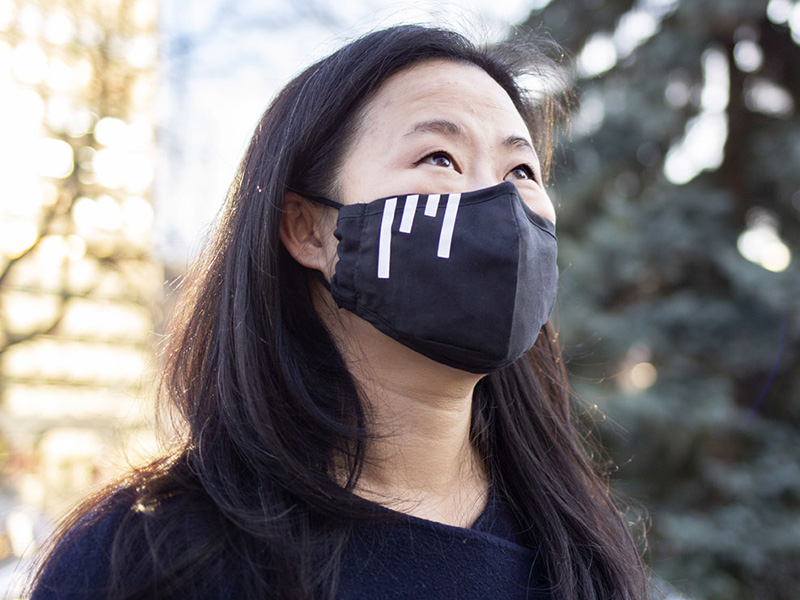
[[518, 225], [360, 259], [540, 227]]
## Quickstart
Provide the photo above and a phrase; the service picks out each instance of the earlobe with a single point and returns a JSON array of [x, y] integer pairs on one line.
[[302, 233]]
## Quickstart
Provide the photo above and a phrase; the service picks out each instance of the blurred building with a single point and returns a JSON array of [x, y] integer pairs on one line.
[[79, 288]]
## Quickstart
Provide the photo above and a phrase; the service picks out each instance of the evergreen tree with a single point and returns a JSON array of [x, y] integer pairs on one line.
[[679, 241]]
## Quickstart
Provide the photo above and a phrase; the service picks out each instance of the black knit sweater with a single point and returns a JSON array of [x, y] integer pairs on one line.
[[402, 558]]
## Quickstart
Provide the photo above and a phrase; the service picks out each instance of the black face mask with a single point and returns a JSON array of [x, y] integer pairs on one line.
[[465, 279]]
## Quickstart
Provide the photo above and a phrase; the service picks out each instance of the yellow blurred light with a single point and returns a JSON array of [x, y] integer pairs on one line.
[[53, 359], [89, 33], [29, 63], [57, 403], [50, 193], [83, 213], [141, 94], [59, 28], [22, 197], [141, 51], [110, 131], [139, 447], [86, 176], [59, 111], [29, 19], [26, 312], [6, 53], [140, 135], [51, 251], [56, 158], [83, 274], [80, 123], [139, 174], [76, 247], [643, 375], [19, 527], [31, 491], [69, 456], [70, 442], [22, 116], [85, 157], [17, 237], [144, 13], [138, 215], [761, 244], [108, 213], [105, 321], [7, 9], [83, 72], [7, 84], [111, 167], [59, 74]]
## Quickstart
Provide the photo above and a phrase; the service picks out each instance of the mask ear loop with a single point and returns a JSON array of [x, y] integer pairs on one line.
[[325, 201]]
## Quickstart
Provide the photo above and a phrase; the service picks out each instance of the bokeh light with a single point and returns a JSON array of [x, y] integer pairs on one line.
[[643, 375], [598, 55], [79, 284], [703, 144], [761, 244], [748, 56], [56, 158]]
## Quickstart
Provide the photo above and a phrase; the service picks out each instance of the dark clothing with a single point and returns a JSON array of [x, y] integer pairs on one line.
[[402, 558]]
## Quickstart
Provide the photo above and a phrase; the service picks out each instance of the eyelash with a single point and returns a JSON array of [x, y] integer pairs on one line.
[[529, 170], [443, 153]]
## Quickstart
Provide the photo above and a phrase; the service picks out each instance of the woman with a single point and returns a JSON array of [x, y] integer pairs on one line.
[[374, 402]]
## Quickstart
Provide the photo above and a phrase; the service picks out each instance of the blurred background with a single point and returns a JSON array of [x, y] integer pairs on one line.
[[678, 189]]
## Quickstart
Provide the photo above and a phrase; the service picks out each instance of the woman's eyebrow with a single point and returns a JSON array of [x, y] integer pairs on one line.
[[518, 142], [442, 126], [451, 129]]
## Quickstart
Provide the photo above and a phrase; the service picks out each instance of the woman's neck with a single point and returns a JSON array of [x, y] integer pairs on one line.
[[419, 459]]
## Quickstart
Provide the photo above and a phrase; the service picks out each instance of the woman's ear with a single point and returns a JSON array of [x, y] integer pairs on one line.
[[304, 233]]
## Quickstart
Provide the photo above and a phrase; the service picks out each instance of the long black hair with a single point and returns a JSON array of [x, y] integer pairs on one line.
[[267, 404]]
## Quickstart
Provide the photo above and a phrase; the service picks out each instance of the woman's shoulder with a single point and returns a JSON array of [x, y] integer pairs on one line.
[[133, 541], [78, 563]]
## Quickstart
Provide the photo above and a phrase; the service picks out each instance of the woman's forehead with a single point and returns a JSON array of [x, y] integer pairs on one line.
[[441, 91]]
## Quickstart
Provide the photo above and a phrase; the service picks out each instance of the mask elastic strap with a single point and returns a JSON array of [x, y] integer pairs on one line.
[[325, 201]]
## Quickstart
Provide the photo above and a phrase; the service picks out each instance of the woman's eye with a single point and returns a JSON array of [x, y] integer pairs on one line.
[[439, 159], [520, 172]]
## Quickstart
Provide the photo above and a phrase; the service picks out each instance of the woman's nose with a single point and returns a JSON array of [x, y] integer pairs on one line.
[[482, 179]]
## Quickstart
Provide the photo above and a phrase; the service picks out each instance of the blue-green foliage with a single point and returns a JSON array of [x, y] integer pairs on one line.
[[651, 273]]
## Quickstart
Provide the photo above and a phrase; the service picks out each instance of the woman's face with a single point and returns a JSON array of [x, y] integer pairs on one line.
[[441, 127]]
